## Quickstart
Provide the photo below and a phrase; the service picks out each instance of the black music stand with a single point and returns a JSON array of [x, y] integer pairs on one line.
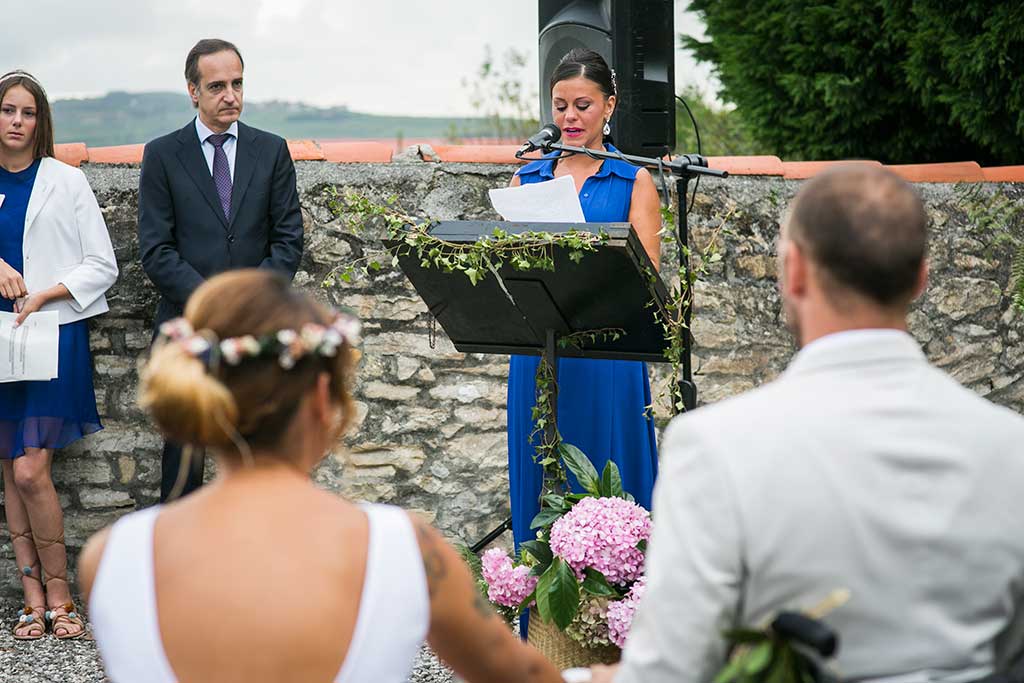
[[527, 312]]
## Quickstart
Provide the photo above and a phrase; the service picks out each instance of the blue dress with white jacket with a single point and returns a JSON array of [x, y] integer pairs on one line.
[[71, 245]]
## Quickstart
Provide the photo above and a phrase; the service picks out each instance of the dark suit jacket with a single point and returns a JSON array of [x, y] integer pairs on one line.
[[183, 235]]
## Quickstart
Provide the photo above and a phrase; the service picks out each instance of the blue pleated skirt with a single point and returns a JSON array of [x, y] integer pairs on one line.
[[56, 413]]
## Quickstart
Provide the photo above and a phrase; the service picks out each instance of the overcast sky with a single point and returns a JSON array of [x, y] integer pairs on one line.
[[405, 57]]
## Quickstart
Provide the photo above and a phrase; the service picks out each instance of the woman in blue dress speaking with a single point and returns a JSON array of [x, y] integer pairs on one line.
[[55, 255], [600, 402]]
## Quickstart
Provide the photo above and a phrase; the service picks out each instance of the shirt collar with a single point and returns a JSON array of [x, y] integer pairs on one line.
[[856, 347], [608, 166], [203, 132]]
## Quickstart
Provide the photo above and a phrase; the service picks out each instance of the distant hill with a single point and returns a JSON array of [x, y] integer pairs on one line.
[[121, 118]]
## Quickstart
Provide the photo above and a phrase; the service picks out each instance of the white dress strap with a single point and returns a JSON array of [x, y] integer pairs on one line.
[[394, 610], [122, 605]]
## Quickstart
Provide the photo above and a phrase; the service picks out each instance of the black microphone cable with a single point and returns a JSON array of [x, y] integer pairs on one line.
[[696, 132]]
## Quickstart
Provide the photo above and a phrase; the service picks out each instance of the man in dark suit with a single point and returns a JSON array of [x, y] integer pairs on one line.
[[214, 196]]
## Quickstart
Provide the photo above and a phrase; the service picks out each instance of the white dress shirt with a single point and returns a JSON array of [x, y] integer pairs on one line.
[[229, 145], [862, 468]]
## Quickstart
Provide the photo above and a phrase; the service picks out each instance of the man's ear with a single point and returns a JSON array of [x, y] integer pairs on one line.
[[922, 279], [795, 270], [193, 92]]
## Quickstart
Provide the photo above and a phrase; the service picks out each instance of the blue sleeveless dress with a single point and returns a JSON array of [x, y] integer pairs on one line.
[[42, 414], [601, 402]]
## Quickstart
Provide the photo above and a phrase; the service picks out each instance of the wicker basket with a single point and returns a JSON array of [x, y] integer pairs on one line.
[[563, 651]]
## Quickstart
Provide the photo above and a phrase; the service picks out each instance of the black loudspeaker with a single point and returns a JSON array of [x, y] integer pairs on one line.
[[637, 38]]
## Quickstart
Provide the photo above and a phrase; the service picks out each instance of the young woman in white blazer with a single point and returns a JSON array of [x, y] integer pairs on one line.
[[55, 255]]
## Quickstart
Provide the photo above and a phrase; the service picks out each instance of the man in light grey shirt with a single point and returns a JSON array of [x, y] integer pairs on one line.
[[862, 468]]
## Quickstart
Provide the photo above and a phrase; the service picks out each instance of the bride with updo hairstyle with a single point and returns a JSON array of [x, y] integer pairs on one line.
[[262, 576]]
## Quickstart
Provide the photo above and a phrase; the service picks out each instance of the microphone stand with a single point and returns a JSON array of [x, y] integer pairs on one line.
[[684, 167]]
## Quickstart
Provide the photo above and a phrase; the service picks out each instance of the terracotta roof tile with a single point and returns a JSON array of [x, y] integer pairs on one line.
[[756, 165], [953, 172], [305, 150], [73, 153], [375, 151], [121, 154], [356, 152], [799, 170], [1004, 174], [478, 154]]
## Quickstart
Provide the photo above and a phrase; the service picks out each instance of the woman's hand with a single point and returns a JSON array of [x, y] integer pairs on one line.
[[36, 300], [27, 306], [12, 285]]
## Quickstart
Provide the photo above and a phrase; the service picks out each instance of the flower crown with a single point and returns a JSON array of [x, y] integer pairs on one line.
[[288, 345]]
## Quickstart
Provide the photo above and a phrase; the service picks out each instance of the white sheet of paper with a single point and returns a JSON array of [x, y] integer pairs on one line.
[[29, 351], [553, 201]]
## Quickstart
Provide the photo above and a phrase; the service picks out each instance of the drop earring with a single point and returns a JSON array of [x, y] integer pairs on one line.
[[607, 129]]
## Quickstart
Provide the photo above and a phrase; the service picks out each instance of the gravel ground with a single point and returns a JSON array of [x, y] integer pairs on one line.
[[76, 661]]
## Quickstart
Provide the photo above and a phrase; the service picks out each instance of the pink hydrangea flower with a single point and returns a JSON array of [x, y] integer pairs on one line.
[[507, 585], [620, 613], [603, 533]]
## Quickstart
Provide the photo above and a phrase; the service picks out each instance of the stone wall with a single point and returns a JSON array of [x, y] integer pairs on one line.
[[431, 429]]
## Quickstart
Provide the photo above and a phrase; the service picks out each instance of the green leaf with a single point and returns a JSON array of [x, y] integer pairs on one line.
[[558, 594], [782, 667], [595, 583], [539, 550], [545, 518], [579, 464], [611, 481], [730, 671], [744, 636], [555, 501], [758, 658]]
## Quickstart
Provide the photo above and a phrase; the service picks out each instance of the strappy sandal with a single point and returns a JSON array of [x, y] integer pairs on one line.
[[68, 617], [65, 619], [31, 618]]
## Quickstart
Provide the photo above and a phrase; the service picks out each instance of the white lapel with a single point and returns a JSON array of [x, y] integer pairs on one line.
[[41, 192]]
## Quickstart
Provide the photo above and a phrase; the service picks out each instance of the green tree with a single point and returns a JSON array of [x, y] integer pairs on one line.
[[894, 80], [722, 130]]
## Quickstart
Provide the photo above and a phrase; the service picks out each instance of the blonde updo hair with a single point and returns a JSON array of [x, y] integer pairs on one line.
[[220, 406]]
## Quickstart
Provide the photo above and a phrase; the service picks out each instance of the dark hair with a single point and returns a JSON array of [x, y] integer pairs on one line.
[[43, 146], [581, 61], [257, 399], [206, 46], [866, 228]]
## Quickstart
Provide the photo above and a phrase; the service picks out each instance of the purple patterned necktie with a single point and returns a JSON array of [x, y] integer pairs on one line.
[[221, 171]]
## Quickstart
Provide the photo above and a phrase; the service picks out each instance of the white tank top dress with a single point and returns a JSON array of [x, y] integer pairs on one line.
[[394, 609]]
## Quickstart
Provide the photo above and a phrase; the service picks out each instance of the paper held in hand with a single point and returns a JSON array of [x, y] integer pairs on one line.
[[28, 352], [554, 201]]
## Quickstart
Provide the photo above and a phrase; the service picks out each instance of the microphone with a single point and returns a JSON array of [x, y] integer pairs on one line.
[[542, 138]]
